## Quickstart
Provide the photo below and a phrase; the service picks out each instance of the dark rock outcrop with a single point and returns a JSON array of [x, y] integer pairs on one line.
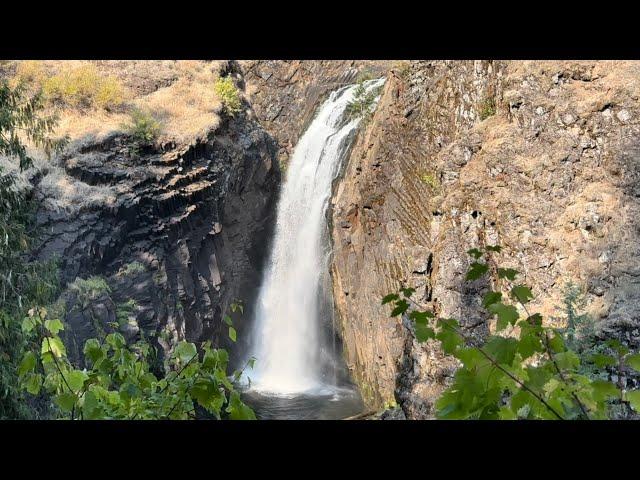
[[179, 233]]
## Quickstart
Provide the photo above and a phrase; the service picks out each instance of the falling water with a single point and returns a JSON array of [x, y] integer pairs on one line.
[[292, 308]]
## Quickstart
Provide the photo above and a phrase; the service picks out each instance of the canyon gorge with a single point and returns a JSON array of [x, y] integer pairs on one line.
[[539, 157]]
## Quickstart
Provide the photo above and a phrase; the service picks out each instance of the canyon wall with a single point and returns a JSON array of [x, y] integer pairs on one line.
[[539, 157], [178, 231]]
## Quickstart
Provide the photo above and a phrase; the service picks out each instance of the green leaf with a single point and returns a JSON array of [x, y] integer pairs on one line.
[[475, 253], [92, 350], [232, 334], [557, 344], [53, 345], [634, 361], [567, 360], [401, 307], [449, 338], [529, 344], [602, 361], [28, 324], [494, 248], [603, 390], [619, 348], [477, 270], [185, 351], [27, 364], [91, 409], [421, 317], [238, 410], [390, 298], [535, 319], [33, 383], [507, 314], [208, 395], [521, 293], [227, 320], [407, 292], [470, 357], [490, 298], [54, 326], [505, 413], [502, 349], [116, 340], [75, 379], [633, 397], [423, 333], [65, 401], [508, 273]]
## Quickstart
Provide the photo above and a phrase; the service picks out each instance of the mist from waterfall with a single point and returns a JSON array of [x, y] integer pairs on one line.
[[287, 339]]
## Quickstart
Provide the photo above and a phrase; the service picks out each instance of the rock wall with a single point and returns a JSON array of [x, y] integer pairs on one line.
[[539, 157], [181, 230], [286, 94]]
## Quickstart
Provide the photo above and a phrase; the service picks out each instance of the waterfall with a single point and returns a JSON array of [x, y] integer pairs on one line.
[[287, 339]]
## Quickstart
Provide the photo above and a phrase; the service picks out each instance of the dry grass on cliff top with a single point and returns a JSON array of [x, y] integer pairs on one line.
[[95, 98]]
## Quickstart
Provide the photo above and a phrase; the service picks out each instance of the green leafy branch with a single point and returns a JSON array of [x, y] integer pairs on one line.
[[523, 369]]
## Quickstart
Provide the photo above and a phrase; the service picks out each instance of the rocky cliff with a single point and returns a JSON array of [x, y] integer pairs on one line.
[[178, 231], [539, 157]]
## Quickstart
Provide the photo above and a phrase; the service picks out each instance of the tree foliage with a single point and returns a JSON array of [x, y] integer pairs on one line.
[[22, 120], [362, 104], [229, 95], [524, 370], [23, 283], [119, 383]]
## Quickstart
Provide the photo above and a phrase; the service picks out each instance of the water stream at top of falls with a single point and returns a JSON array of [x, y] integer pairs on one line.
[[294, 310]]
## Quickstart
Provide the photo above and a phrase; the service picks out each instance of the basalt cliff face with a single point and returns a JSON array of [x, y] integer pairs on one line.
[[178, 231], [539, 157]]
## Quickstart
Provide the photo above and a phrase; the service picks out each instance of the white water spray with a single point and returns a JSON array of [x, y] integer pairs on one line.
[[286, 332]]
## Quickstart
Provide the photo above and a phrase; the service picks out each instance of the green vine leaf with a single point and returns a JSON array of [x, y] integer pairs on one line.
[[521, 293], [634, 361], [475, 253], [633, 397], [401, 307], [477, 270], [490, 298], [508, 273], [390, 298], [507, 314]]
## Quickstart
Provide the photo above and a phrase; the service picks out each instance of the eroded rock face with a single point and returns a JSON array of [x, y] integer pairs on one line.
[[182, 232], [539, 157], [286, 94]]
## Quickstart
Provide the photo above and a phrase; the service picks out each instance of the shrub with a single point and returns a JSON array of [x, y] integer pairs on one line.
[[125, 310], [89, 289], [487, 108], [83, 87], [132, 268], [30, 71], [402, 67], [229, 96], [430, 180], [143, 127], [362, 105]]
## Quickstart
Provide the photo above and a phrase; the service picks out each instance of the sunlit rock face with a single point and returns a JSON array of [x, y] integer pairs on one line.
[[539, 157]]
